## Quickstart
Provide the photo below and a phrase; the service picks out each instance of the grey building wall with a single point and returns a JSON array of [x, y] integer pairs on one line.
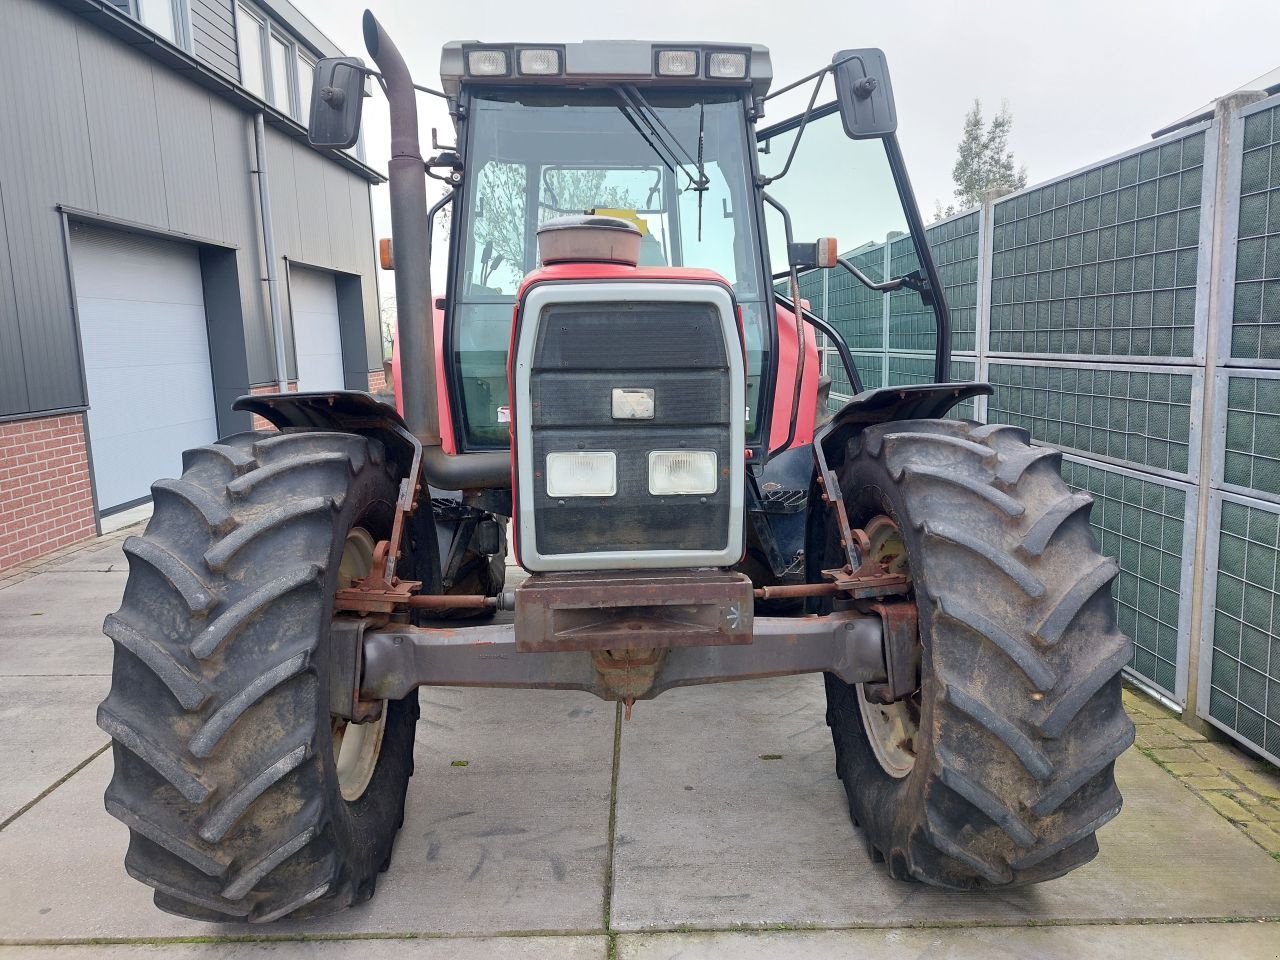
[[213, 35], [101, 130]]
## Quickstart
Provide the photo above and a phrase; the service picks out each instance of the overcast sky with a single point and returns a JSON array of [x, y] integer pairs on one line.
[[1085, 79]]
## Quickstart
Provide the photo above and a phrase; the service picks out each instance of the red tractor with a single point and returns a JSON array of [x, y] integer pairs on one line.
[[612, 371]]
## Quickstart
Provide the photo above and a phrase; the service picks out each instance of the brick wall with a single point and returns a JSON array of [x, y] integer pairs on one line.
[[46, 501], [258, 422], [378, 381]]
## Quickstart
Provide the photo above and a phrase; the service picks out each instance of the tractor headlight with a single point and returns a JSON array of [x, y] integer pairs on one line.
[[487, 63], [677, 63], [674, 472], [726, 66], [582, 473], [539, 62]]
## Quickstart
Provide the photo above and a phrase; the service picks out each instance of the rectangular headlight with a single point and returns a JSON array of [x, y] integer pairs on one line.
[[487, 63], [582, 473], [678, 63], [727, 66], [539, 63], [674, 472]]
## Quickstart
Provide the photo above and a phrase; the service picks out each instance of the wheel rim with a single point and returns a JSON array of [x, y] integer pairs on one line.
[[356, 745], [892, 728]]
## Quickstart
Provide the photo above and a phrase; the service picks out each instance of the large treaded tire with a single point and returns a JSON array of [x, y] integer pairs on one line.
[[1020, 711], [219, 703]]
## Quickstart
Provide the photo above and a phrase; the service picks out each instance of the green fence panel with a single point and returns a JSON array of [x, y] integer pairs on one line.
[[1255, 324], [1142, 523], [1103, 262], [1244, 670], [1252, 456], [1141, 417]]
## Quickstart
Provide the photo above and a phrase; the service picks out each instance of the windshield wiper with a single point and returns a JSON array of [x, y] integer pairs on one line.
[[661, 133]]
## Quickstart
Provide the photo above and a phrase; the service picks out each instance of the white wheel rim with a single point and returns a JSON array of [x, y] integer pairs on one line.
[[891, 733], [356, 745], [891, 728]]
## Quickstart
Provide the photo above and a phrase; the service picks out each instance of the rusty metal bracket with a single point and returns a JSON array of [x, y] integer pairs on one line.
[[902, 651], [834, 498], [346, 665], [405, 502], [636, 610]]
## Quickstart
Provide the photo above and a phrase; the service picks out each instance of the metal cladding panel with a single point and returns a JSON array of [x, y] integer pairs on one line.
[[213, 35], [284, 198], [1244, 661], [1143, 525], [233, 146], [1140, 416], [344, 237], [1103, 262], [1255, 322], [124, 136], [45, 159], [190, 160], [314, 214], [13, 377]]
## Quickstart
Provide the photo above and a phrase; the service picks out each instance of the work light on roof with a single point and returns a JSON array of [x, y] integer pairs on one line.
[[539, 62], [678, 63], [726, 66], [487, 63]]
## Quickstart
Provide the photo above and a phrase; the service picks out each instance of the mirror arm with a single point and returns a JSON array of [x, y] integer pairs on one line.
[[837, 340], [795, 300], [884, 287], [764, 181]]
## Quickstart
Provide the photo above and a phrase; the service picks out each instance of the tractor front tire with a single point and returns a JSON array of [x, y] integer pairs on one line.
[[1001, 769], [245, 799]]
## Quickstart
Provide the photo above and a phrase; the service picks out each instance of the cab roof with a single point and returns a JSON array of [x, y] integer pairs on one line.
[[607, 61]]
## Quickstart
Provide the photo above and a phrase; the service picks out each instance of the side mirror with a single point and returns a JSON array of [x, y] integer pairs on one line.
[[865, 94], [337, 97]]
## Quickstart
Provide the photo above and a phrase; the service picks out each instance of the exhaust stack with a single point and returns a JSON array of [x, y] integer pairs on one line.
[[407, 178]]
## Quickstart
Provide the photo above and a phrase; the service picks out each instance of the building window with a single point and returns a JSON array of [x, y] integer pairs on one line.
[[273, 66], [306, 73], [281, 68], [250, 39], [160, 16]]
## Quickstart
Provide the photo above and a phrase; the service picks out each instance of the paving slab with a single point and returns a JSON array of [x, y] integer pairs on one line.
[[515, 841], [51, 624], [99, 557], [1240, 941], [443, 948], [49, 728], [710, 835]]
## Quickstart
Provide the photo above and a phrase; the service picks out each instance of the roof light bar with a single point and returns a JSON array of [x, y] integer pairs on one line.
[[677, 63]]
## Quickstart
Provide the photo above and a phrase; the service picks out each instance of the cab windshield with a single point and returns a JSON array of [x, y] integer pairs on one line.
[[533, 155]]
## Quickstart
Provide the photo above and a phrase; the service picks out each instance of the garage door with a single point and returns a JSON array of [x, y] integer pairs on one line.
[[146, 359], [317, 341]]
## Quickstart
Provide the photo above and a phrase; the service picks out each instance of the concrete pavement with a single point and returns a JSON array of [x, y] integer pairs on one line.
[[569, 834]]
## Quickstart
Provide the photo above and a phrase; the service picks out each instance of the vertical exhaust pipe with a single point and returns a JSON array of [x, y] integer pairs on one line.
[[410, 231], [408, 184]]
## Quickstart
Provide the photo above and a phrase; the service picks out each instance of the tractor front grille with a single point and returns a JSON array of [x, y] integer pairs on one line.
[[581, 353]]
